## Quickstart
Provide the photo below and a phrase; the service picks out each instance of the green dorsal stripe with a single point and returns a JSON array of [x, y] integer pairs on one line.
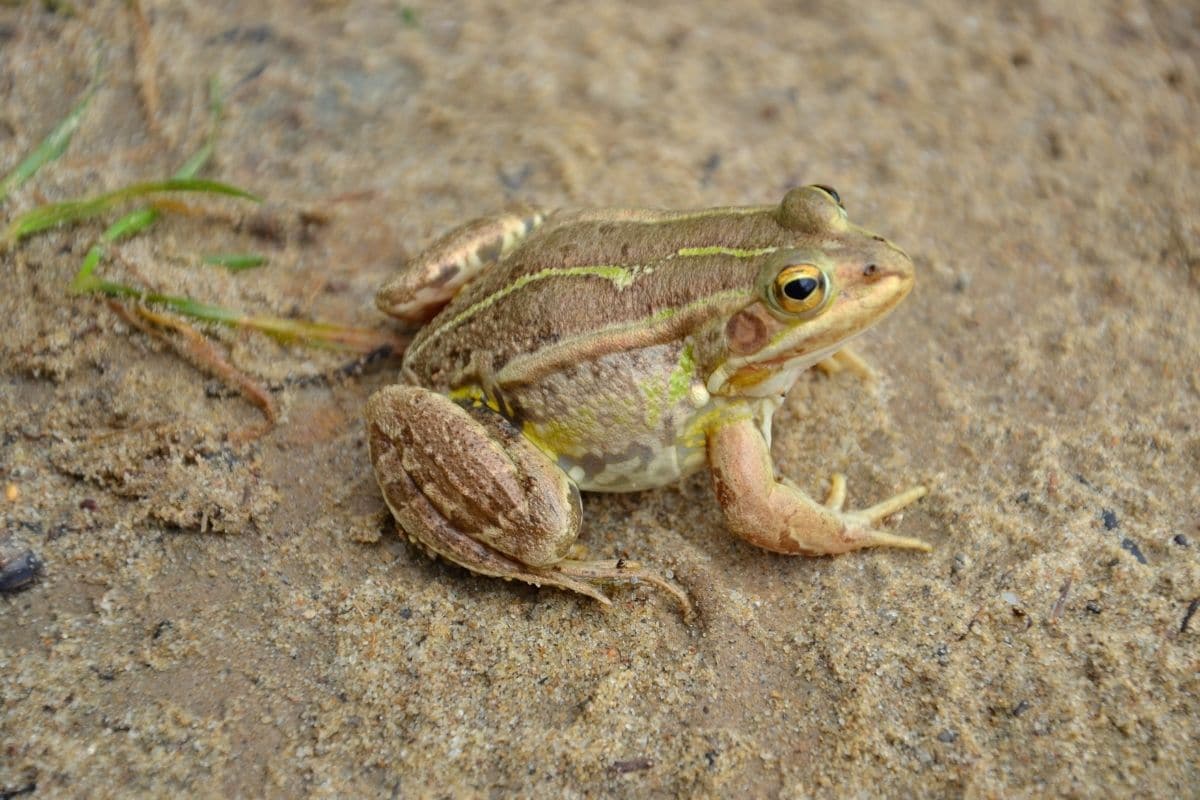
[[686, 252]]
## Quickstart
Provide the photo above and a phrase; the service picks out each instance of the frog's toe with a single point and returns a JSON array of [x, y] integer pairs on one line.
[[886, 508], [846, 360], [860, 524], [860, 537], [621, 571], [836, 499]]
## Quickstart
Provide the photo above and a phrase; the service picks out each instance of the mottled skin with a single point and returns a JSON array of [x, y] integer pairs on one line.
[[617, 350]]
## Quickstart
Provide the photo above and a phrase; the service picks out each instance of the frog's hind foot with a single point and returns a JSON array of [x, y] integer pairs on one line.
[[621, 571]]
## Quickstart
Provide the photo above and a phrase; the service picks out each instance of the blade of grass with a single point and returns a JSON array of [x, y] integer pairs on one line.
[[236, 262], [51, 147], [54, 214], [320, 334]]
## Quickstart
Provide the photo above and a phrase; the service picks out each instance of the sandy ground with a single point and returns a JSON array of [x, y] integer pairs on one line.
[[221, 618]]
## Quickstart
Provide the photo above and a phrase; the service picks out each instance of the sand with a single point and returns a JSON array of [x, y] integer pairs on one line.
[[221, 618]]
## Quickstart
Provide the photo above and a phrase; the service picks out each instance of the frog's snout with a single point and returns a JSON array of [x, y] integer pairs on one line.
[[887, 261], [883, 272]]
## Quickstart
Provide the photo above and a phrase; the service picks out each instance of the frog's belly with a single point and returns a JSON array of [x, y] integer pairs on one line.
[[637, 420], [637, 469], [624, 460]]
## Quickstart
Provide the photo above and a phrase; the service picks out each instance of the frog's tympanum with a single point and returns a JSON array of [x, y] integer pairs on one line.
[[615, 350]]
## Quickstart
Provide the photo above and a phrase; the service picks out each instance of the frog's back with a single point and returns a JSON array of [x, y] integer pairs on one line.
[[593, 282]]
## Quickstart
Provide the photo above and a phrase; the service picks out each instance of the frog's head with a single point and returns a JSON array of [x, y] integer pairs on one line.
[[829, 283]]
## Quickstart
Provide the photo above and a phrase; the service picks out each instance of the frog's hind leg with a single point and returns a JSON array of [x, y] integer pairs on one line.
[[464, 483], [433, 277]]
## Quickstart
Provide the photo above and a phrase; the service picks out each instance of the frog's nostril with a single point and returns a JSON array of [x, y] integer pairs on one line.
[[878, 238], [869, 270]]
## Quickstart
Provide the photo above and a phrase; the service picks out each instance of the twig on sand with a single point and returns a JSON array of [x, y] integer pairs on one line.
[[197, 349]]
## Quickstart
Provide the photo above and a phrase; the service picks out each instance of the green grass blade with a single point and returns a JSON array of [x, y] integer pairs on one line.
[[51, 147], [184, 305], [55, 214], [127, 225], [318, 334], [83, 278], [236, 262]]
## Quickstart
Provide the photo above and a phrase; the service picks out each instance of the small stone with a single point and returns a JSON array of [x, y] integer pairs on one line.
[[947, 736], [18, 570], [1130, 546]]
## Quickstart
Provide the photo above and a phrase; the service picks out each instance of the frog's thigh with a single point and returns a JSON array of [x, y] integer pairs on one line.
[[782, 518], [466, 484]]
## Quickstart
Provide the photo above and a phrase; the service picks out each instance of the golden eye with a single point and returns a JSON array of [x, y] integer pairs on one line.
[[801, 288]]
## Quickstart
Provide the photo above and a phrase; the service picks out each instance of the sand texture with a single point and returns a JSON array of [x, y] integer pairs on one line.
[[219, 617]]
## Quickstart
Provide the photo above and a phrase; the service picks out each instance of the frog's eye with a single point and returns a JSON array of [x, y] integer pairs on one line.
[[832, 192], [812, 209], [800, 288]]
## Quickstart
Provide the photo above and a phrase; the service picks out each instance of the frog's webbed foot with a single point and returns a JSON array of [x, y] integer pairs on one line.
[[465, 484], [433, 277], [778, 516], [846, 360]]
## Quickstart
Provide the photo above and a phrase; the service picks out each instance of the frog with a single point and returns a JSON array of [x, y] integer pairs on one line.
[[621, 350]]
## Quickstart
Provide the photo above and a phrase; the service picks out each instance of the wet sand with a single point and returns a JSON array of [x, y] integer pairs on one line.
[[227, 618]]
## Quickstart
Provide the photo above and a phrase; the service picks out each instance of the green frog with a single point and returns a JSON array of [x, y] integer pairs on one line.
[[616, 350]]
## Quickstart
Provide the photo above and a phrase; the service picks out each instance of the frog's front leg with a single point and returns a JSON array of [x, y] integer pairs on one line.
[[781, 518], [432, 278], [468, 486]]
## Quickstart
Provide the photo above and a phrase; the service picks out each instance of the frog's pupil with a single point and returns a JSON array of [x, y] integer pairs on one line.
[[800, 288]]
